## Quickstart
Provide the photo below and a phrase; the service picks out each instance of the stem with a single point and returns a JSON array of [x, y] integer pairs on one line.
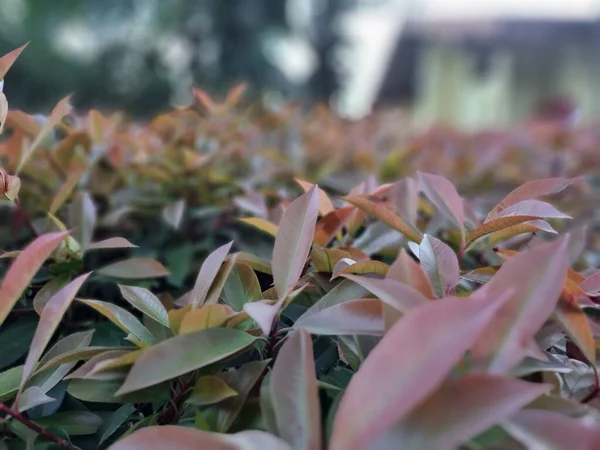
[[33, 426], [25, 217]]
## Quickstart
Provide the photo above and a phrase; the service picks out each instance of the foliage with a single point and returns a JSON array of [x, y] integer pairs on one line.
[[378, 312]]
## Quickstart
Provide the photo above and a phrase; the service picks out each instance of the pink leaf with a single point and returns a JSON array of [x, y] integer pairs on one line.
[[135, 268], [530, 191], [534, 208], [355, 317], [538, 276], [9, 59], [440, 264], [294, 240], [208, 272], [444, 196], [115, 242], [405, 197], [483, 401], [24, 268], [394, 293], [408, 271], [263, 312], [549, 429], [295, 393], [49, 321], [410, 362], [591, 285]]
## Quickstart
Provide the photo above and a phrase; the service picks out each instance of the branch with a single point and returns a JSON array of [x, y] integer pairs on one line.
[[33, 426]]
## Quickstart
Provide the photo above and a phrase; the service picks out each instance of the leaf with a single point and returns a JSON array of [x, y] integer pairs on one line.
[[496, 224], [122, 319], [184, 438], [394, 293], [83, 216], [15, 339], [78, 354], [548, 429], [241, 287], [296, 394], [483, 401], [530, 191], [591, 285], [216, 288], [74, 423], [361, 316], [385, 215], [116, 242], [209, 390], [62, 108], [31, 397], [534, 208], [114, 422], [262, 224], [444, 196], [405, 196], [66, 189], [363, 268], [294, 240], [145, 301], [532, 226], [538, 275], [207, 316], [9, 382], [206, 276], [173, 213], [49, 321], [135, 268], [23, 269], [409, 272], [241, 380], [182, 354], [406, 374], [325, 205], [331, 224], [9, 59], [440, 264], [3, 111]]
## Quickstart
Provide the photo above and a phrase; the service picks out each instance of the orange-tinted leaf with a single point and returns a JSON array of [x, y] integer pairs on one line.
[[24, 268], [325, 205], [331, 224], [483, 401], [176, 317], [444, 196], [406, 374], [209, 390], [526, 227], [496, 224], [295, 393], [364, 268], [261, 224], [9, 59], [49, 321], [530, 191], [207, 316], [385, 215], [135, 268], [294, 240]]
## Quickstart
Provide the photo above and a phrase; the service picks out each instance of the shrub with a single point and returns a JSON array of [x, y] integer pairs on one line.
[[396, 315]]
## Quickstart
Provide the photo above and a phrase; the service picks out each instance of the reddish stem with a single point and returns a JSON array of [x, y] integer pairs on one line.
[[33, 426]]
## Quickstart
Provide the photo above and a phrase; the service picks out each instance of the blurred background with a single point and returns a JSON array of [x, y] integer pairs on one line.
[[469, 64]]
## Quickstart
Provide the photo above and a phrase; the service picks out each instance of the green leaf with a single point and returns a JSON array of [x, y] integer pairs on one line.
[[74, 423], [184, 353], [124, 320], [146, 302], [10, 380], [242, 286], [210, 389], [135, 268], [15, 339], [103, 391], [47, 291], [114, 421]]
